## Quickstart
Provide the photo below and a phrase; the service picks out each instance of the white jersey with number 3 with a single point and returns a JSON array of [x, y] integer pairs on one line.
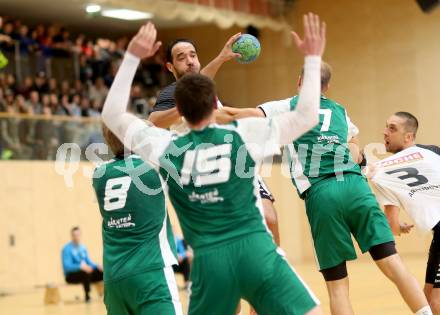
[[410, 180]]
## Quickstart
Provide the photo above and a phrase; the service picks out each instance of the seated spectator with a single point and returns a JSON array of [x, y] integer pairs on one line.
[[53, 85], [26, 87], [61, 45], [40, 83], [7, 34], [99, 91], [85, 107], [184, 257], [77, 266], [34, 102]]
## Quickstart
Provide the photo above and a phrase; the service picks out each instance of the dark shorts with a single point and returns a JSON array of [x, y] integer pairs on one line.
[[433, 266], [264, 191]]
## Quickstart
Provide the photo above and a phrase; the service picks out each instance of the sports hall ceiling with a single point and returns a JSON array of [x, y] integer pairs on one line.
[[71, 13]]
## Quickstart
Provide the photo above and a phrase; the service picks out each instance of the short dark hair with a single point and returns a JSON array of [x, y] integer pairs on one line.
[[195, 97], [174, 43], [75, 228], [411, 123]]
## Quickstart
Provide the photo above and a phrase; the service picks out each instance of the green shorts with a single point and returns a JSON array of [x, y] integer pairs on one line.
[[248, 268], [153, 292], [337, 209]]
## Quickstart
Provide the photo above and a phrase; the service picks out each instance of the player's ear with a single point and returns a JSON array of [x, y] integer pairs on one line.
[[169, 66], [299, 82]]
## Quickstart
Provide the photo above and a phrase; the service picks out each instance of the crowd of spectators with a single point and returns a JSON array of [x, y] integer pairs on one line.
[[38, 94]]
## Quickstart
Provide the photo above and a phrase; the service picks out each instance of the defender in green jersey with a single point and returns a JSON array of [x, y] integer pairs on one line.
[[211, 173], [339, 202], [139, 248]]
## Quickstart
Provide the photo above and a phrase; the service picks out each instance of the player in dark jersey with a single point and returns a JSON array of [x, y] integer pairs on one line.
[[410, 180]]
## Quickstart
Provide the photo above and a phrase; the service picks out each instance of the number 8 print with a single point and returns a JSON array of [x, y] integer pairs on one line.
[[116, 193]]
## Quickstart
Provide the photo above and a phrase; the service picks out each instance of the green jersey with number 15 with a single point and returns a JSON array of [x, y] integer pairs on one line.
[[136, 231], [323, 151], [211, 176]]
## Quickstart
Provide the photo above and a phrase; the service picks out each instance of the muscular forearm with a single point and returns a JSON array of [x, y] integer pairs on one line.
[[295, 123], [229, 114], [166, 118], [211, 69]]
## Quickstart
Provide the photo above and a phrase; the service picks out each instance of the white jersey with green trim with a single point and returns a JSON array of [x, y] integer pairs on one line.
[[410, 180]]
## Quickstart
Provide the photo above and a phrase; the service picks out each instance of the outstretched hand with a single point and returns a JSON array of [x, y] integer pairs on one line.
[[144, 44], [313, 43]]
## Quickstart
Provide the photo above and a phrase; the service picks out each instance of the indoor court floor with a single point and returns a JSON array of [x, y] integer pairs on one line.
[[371, 293]]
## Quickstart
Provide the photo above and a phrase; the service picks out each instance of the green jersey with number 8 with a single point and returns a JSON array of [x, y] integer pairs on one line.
[[136, 231], [323, 151]]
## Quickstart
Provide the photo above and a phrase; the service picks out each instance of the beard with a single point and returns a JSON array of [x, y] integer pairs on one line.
[[186, 71]]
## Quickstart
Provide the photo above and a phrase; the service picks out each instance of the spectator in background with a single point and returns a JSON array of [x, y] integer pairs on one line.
[[139, 104], [95, 110], [61, 44], [11, 82], [53, 85], [4, 38], [65, 88], [8, 33], [2, 101], [99, 91], [34, 102], [55, 104], [40, 83], [85, 107], [44, 133], [9, 140], [77, 265], [26, 87], [184, 257]]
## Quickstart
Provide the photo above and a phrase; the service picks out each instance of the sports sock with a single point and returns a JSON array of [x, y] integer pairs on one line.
[[424, 311]]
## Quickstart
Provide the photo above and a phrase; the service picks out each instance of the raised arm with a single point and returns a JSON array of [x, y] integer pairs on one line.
[[295, 123], [136, 134], [226, 54]]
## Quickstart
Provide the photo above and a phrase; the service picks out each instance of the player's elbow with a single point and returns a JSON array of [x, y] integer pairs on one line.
[[157, 119], [153, 118]]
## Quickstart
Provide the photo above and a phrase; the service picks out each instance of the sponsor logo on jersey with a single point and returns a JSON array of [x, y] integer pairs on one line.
[[423, 188], [120, 223], [416, 156], [208, 197], [328, 139]]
